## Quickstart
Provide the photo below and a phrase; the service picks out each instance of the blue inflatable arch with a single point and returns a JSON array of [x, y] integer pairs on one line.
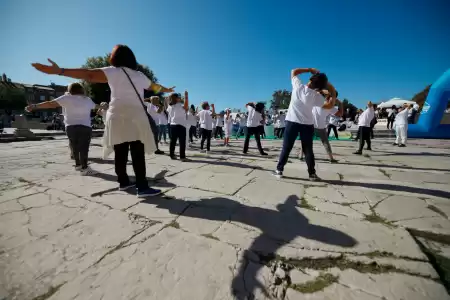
[[429, 124]]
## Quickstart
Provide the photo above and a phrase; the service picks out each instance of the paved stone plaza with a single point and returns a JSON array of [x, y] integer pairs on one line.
[[376, 227]]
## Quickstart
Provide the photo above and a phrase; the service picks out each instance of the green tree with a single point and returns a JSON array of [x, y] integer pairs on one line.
[[280, 99], [12, 98], [99, 92]]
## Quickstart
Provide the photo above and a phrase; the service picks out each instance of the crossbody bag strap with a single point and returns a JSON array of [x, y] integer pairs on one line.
[[137, 93]]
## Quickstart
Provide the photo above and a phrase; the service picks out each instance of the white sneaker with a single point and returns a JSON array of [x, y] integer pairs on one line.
[[88, 172]]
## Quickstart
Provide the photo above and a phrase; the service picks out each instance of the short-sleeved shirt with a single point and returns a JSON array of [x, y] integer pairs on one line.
[[281, 121], [205, 119], [219, 121], [177, 114], [254, 118], [153, 112], [76, 109], [303, 99], [192, 119], [162, 118], [320, 116], [243, 121], [122, 92], [402, 118]]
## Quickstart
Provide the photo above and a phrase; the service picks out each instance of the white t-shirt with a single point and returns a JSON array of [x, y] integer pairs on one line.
[[177, 114], [303, 99], [123, 94], [219, 122], [228, 123], [254, 117], [153, 112], [162, 118], [192, 120], [334, 120], [281, 121], [205, 119], [242, 121], [366, 117], [402, 117], [76, 109], [320, 116]]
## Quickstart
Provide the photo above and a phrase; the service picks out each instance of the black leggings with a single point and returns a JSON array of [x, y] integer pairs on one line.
[[79, 140], [331, 126], [206, 135], [137, 157], [218, 131], [178, 132], [391, 123], [192, 131], [256, 131], [364, 136]]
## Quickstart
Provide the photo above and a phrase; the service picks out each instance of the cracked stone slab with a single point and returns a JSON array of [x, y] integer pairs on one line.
[[415, 177], [314, 230], [332, 292], [21, 191], [392, 285], [220, 183], [168, 261], [84, 186], [437, 225], [393, 208]]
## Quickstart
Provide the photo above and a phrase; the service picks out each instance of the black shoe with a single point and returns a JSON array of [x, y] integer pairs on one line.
[[333, 161], [402, 145], [370, 149], [394, 144], [358, 152], [159, 152], [185, 159], [173, 158], [264, 154], [314, 177]]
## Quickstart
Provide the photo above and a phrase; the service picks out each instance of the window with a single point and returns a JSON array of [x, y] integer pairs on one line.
[[42, 98]]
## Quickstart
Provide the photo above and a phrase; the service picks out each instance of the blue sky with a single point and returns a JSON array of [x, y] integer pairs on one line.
[[232, 52]]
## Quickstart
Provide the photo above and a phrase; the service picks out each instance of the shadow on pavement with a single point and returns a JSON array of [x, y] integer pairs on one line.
[[279, 227], [389, 166]]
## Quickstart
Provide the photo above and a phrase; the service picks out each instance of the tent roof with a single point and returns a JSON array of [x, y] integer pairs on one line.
[[396, 102]]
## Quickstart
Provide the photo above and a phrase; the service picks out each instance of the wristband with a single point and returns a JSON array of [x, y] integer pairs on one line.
[[62, 71]]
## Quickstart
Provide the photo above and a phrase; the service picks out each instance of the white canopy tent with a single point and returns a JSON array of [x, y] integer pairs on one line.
[[395, 101]]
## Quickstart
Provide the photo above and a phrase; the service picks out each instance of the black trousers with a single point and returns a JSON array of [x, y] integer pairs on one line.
[[391, 123], [178, 132], [364, 136], [206, 136], [280, 132], [219, 131], [290, 135], [256, 131], [79, 140], [138, 159], [331, 126], [262, 132], [192, 133]]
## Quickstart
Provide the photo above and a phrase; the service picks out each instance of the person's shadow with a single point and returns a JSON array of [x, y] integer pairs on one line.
[[279, 227]]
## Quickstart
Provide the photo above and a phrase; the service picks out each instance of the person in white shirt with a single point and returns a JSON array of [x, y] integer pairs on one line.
[[299, 118], [333, 123], [127, 127], [401, 126], [364, 128], [162, 126], [76, 108], [254, 120], [228, 126], [320, 123], [205, 117], [192, 122], [281, 124], [242, 119], [177, 112], [219, 125], [154, 109]]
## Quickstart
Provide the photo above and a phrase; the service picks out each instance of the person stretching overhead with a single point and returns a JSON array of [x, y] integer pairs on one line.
[[299, 118]]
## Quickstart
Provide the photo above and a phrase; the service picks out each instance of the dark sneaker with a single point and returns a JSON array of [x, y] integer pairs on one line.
[[314, 177], [394, 144], [126, 186], [264, 154], [148, 192], [402, 145], [358, 152], [185, 159], [333, 161], [277, 174], [301, 158], [159, 152], [370, 149], [173, 158]]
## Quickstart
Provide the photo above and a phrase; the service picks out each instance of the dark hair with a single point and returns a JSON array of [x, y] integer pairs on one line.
[[122, 56], [319, 81], [281, 112], [193, 107], [337, 94], [259, 107], [205, 105], [394, 107], [173, 98], [75, 89]]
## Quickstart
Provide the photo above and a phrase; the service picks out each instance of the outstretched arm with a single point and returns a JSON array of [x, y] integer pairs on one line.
[[156, 87], [186, 101], [332, 100], [213, 109], [42, 105], [298, 71], [91, 75]]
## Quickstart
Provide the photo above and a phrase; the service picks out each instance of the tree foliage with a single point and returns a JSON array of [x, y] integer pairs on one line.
[[280, 99], [12, 98], [99, 92]]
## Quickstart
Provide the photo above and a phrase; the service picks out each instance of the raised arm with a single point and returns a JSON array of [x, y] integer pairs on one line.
[[213, 109], [186, 101], [332, 100], [298, 71], [340, 112], [91, 75], [42, 105], [156, 87]]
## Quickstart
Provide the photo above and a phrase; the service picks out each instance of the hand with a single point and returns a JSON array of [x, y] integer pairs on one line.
[[186, 94], [171, 89], [52, 69], [29, 108], [313, 71]]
